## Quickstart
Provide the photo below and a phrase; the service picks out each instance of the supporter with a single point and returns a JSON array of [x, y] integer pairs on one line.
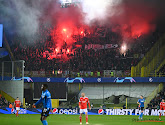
[[3, 102], [10, 105]]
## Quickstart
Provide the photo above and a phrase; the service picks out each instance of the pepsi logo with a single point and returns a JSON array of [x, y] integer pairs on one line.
[[55, 110], [100, 111]]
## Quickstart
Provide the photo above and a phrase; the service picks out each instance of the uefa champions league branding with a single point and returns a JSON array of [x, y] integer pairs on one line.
[[25, 78], [68, 80], [91, 80], [118, 80]]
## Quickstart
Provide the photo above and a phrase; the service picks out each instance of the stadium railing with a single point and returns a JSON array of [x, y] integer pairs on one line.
[[157, 70], [136, 71], [153, 94], [64, 74], [149, 69]]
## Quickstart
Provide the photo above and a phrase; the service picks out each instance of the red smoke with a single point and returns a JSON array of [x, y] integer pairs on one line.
[[68, 28], [133, 20]]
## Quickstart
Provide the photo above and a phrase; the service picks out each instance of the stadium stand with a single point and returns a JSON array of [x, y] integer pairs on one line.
[[155, 102], [3, 102], [81, 59], [152, 60]]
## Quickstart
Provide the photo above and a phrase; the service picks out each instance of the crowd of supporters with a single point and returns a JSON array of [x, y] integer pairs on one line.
[[3, 101], [80, 59], [155, 102], [162, 71]]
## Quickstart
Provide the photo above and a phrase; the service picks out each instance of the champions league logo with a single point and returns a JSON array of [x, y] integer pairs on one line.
[[99, 80], [117, 80], [72, 80], [25, 78], [48, 79], [150, 79]]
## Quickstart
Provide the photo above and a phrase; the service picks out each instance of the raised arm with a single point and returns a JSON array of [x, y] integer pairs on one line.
[[39, 101]]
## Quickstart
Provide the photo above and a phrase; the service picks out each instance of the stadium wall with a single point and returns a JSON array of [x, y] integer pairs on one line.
[[96, 90], [74, 88], [13, 88]]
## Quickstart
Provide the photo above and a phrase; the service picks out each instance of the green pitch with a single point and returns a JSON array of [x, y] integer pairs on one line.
[[74, 120]]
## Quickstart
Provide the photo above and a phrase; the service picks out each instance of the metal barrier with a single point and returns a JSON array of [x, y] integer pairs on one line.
[[13, 69], [154, 63], [137, 70]]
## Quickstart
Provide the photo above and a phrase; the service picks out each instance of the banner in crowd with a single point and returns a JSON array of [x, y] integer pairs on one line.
[[91, 80], [100, 32], [99, 46], [75, 111]]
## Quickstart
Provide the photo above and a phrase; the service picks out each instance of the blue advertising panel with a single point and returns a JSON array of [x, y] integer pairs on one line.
[[1, 34], [75, 111], [92, 80]]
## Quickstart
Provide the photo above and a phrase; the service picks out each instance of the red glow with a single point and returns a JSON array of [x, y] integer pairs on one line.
[[82, 32], [56, 50], [64, 30], [68, 28]]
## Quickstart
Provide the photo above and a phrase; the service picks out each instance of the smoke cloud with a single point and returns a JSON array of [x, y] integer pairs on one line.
[[130, 18]]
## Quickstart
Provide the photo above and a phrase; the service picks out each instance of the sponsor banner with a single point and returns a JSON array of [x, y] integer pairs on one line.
[[91, 80], [152, 112], [38, 111], [99, 46]]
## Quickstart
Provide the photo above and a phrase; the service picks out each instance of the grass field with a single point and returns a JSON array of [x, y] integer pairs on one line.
[[74, 120]]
